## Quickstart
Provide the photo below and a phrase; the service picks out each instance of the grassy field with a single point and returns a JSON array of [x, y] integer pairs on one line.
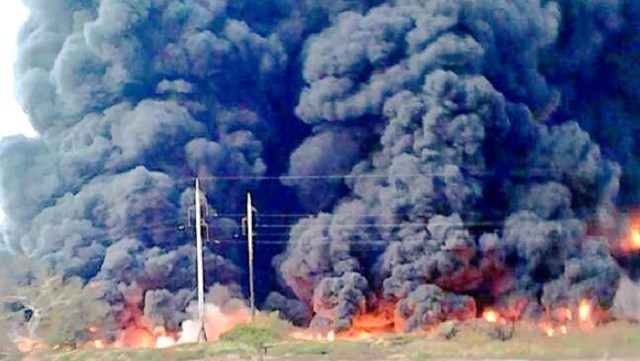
[[613, 341]]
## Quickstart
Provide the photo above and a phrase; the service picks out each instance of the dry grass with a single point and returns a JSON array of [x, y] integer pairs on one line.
[[618, 340]]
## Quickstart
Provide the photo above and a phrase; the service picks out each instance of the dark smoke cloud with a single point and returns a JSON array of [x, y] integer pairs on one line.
[[458, 112], [160, 305], [590, 274], [310, 159], [489, 147], [427, 306], [131, 100], [294, 310], [594, 63], [336, 298]]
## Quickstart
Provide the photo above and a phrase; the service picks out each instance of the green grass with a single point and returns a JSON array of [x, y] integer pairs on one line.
[[258, 334]]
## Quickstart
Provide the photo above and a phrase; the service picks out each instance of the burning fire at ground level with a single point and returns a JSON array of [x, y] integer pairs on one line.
[[471, 339], [139, 336], [441, 118], [560, 321], [382, 323], [557, 322]]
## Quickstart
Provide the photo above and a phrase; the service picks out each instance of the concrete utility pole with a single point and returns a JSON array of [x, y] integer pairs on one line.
[[250, 247], [202, 335]]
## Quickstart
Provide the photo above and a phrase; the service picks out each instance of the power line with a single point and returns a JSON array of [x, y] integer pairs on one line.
[[318, 241], [317, 177], [359, 225], [173, 225], [525, 173], [360, 215]]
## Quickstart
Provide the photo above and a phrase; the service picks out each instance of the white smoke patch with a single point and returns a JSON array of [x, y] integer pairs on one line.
[[224, 311], [626, 304], [216, 323]]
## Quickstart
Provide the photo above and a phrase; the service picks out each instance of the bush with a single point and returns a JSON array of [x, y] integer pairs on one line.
[[502, 332], [447, 330], [264, 330]]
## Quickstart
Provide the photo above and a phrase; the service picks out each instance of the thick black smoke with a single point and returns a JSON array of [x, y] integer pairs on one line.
[[449, 154], [454, 93]]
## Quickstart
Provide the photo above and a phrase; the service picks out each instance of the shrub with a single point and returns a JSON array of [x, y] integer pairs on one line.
[[265, 329], [447, 330], [502, 332]]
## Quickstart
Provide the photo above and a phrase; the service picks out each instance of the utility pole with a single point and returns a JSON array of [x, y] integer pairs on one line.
[[202, 335], [249, 221]]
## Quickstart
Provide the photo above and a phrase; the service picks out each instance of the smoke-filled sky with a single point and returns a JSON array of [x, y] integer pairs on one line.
[[442, 155], [13, 13]]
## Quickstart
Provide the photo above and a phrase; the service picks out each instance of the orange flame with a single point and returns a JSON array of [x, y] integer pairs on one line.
[[561, 317], [218, 322], [138, 334], [99, 344], [549, 331], [631, 244], [134, 337], [562, 314], [563, 329], [369, 325], [584, 311], [364, 326], [585, 315], [491, 315]]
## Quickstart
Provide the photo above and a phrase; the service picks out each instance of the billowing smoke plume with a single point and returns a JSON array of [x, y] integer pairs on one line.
[[469, 188], [439, 155]]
